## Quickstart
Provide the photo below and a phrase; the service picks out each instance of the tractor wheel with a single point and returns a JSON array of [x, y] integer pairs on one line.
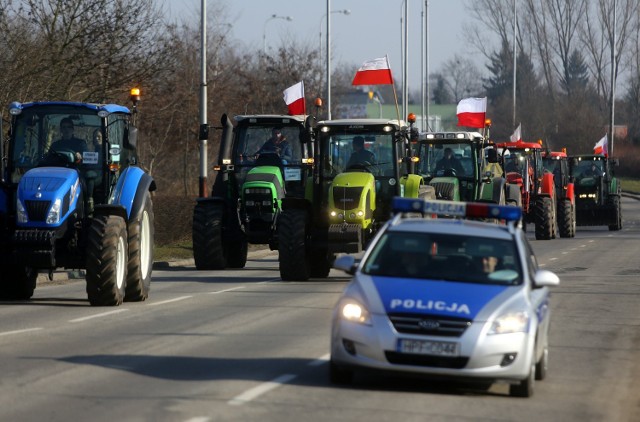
[[544, 218], [566, 219], [107, 261], [237, 251], [292, 247], [141, 234], [513, 195], [17, 282], [320, 264], [614, 205], [208, 251]]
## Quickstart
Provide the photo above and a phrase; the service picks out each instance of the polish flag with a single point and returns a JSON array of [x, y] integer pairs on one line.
[[374, 72], [294, 98], [517, 134], [600, 148], [471, 112]]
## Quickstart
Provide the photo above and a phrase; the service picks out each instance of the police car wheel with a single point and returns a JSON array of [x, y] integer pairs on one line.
[[541, 366], [525, 387]]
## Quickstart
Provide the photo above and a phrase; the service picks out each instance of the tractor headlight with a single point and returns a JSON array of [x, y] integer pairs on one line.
[[54, 213], [512, 322], [21, 213]]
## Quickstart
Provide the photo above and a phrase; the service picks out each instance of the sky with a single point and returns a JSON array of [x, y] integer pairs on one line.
[[372, 29]]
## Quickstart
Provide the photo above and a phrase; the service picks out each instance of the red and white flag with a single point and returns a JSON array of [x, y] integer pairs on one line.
[[471, 112], [516, 136], [374, 72], [294, 98], [601, 147]]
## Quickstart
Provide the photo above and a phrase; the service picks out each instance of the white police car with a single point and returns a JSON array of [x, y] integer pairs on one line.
[[445, 298]]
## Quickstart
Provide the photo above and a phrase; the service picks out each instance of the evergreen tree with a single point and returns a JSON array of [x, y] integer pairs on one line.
[[576, 76]]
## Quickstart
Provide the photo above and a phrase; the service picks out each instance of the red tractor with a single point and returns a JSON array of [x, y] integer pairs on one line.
[[523, 166], [557, 163]]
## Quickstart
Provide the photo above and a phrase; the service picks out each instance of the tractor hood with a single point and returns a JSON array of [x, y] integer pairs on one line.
[[46, 196]]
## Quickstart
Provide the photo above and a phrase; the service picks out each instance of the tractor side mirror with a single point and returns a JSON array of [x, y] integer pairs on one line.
[[492, 155], [227, 139], [131, 138]]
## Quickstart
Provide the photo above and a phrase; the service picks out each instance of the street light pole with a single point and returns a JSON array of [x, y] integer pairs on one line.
[[344, 12], [613, 83], [264, 29], [204, 127], [328, 49]]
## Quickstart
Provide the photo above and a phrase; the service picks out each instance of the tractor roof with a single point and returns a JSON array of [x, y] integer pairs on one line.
[[111, 108]]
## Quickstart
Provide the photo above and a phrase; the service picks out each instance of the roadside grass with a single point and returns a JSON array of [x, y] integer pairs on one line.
[[174, 251], [629, 184]]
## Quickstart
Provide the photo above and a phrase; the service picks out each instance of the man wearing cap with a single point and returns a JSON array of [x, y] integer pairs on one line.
[[278, 144]]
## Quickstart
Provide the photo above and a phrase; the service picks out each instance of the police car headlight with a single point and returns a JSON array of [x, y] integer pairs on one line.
[[351, 310], [513, 322]]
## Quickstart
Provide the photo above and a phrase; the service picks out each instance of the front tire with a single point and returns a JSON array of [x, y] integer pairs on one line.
[[292, 246], [208, 251], [544, 220], [107, 258], [140, 265], [614, 204], [17, 282], [525, 387], [566, 219]]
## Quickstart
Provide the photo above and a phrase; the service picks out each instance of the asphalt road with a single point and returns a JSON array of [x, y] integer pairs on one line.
[[243, 346]]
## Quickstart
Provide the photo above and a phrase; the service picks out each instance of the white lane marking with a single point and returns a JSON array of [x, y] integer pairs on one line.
[[170, 300], [199, 419], [26, 330], [320, 361], [261, 389], [552, 259], [564, 253], [98, 315], [269, 281], [226, 290]]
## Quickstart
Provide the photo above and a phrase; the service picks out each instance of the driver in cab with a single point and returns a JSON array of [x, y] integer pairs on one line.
[[360, 155], [68, 142], [449, 162]]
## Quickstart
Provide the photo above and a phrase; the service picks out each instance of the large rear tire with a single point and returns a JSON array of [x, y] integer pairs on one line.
[[292, 245], [141, 237], [107, 259], [320, 264], [208, 251], [17, 282], [544, 218]]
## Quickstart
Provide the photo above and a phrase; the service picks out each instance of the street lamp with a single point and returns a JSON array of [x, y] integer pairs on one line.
[[328, 61], [264, 29], [344, 12]]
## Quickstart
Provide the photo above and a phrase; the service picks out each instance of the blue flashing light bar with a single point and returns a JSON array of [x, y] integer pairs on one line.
[[457, 209]]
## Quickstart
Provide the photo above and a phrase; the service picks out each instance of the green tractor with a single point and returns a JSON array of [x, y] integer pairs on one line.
[[361, 164], [251, 182], [597, 191], [462, 166]]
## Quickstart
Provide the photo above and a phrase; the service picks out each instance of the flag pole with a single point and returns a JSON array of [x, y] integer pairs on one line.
[[395, 95]]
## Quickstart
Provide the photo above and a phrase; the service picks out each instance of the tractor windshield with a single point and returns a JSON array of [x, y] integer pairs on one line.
[[61, 136], [346, 149], [446, 159]]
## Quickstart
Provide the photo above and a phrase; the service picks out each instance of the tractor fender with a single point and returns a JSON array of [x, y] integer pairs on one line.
[[571, 193], [412, 184], [131, 181], [547, 186]]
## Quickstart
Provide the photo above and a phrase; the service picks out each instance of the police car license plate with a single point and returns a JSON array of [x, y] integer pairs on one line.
[[427, 347]]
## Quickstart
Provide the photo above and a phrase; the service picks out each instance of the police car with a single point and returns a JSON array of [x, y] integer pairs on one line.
[[445, 297]]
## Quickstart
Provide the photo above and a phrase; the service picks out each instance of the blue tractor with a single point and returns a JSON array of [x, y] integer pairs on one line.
[[73, 196]]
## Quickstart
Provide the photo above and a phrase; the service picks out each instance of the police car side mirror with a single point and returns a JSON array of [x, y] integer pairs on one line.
[[545, 278], [345, 263]]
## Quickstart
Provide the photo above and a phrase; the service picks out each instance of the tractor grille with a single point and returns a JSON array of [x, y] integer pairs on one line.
[[37, 210], [429, 325], [346, 198]]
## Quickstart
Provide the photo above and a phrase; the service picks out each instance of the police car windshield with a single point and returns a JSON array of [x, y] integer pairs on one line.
[[445, 257]]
